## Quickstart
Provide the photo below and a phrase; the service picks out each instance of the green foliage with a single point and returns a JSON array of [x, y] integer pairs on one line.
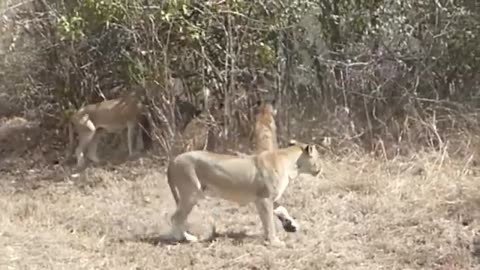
[[190, 28], [71, 27], [90, 17], [265, 54], [102, 13]]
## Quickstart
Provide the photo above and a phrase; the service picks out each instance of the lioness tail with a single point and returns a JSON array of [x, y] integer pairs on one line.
[[171, 184]]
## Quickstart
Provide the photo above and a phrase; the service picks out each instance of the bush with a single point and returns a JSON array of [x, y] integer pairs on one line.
[[383, 75]]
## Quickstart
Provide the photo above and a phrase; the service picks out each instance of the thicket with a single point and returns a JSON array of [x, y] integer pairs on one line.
[[393, 75]]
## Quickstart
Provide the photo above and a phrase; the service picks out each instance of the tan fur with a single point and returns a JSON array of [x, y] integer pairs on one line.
[[259, 179], [265, 131], [112, 116], [200, 132], [195, 135], [265, 139]]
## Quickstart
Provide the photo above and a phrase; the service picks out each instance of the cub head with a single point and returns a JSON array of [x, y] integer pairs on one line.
[[267, 107], [309, 160]]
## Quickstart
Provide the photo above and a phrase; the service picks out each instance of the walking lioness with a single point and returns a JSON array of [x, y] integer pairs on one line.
[[260, 178], [112, 116]]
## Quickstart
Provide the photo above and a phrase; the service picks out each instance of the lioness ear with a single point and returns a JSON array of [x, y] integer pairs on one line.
[[309, 149]]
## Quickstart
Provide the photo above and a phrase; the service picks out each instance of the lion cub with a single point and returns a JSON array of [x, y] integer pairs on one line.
[[112, 116]]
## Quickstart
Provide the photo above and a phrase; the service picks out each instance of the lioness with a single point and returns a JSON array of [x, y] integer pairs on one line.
[[265, 139], [260, 178], [265, 131], [113, 116]]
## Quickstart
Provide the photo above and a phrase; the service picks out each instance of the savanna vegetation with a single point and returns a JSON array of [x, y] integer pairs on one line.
[[390, 91]]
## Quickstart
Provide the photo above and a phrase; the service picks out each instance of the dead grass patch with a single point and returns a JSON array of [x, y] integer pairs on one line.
[[359, 214]]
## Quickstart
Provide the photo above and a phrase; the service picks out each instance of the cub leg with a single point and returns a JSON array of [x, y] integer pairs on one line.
[[84, 139], [92, 148], [130, 136], [265, 211]]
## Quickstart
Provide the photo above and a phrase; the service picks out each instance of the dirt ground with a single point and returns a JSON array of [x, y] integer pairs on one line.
[[361, 213]]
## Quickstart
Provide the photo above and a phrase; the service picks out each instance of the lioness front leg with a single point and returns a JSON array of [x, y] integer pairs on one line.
[[265, 211], [288, 223]]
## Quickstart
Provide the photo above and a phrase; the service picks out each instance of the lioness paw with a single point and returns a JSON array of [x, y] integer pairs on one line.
[[275, 243], [290, 225], [189, 237]]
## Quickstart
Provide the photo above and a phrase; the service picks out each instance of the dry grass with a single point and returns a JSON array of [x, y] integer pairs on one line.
[[361, 213]]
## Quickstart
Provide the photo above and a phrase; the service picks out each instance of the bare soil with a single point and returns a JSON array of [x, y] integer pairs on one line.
[[361, 213]]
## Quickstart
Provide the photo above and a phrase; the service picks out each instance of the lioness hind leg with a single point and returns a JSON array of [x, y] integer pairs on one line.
[[85, 138], [186, 191], [179, 219], [265, 211], [92, 148]]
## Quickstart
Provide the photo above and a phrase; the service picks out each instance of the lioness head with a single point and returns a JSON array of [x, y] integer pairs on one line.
[[266, 107], [309, 161]]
